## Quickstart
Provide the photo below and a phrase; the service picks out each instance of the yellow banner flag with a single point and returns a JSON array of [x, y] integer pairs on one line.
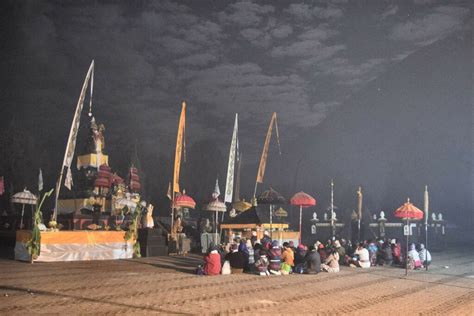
[[263, 158], [179, 148]]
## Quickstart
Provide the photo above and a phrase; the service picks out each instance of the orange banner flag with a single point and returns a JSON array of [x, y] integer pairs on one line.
[[179, 148], [263, 158]]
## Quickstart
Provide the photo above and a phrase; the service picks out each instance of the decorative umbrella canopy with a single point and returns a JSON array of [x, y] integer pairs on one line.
[[184, 200], [281, 212], [216, 206], [241, 206], [408, 211], [303, 199], [24, 197], [271, 197]]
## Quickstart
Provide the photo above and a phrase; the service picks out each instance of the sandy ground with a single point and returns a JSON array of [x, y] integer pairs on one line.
[[165, 285]]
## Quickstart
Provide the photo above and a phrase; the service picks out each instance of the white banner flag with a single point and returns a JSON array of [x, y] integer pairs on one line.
[[68, 182], [229, 185], [71, 142]]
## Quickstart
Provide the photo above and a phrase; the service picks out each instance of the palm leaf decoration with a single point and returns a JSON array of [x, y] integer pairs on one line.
[[34, 244]]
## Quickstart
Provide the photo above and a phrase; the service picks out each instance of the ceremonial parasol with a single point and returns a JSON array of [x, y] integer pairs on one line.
[[408, 211], [215, 205], [24, 197], [302, 199], [271, 197], [184, 200], [241, 206]]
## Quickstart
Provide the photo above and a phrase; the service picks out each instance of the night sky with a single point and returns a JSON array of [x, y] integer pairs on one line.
[[372, 93]]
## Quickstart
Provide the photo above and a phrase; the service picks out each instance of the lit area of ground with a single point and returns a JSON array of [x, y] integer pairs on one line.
[[166, 285]]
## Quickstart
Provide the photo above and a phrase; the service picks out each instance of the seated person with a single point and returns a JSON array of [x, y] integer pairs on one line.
[[236, 259], [414, 261], [262, 262], [288, 259], [331, 264], [275, 258], [425, 255], [385, 256], [212, 265], [300, 258], [340, 250], [313, 261], [361, 257], [396, 252]]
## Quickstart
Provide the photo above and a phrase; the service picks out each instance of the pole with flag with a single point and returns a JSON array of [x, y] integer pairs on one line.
[[263, 158], [229, 184], [180, 148], [332, 209], [71, 143], [426, 207]]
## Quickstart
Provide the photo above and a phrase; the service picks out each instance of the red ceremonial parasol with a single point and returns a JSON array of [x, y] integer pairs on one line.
[[408, 211], [302, 199], [184, 200]]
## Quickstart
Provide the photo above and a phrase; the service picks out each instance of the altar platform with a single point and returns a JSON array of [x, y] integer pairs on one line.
[[78, 245]]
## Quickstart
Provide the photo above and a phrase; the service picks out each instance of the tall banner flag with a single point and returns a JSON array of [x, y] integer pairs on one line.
[[229, 185], [263, 159], [179, 148], [71, 142], [40, 181]]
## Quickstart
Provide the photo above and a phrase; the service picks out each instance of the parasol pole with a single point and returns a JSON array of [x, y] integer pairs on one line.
[[406, 255], [301, 213], [22, 213], [217, 221]]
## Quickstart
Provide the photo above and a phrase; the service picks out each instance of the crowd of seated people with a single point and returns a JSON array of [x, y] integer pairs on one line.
[[267, 257]]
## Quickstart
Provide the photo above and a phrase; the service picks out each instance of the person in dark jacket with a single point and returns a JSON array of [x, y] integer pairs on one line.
[[236, 260], [244, 250], [385, 256], [275, 258], [313, 261], [300, 258], [266, 239]]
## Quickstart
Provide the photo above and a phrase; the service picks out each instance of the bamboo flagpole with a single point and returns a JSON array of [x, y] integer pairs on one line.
[[180, 148], [71, 143], [359, 211], [263, 158], [332, 209]]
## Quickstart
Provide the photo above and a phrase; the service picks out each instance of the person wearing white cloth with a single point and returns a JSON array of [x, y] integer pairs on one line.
[[425, 255], [361, 259]]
